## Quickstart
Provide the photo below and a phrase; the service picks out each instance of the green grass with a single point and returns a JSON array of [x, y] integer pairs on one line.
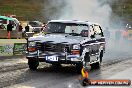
[[26, 9]]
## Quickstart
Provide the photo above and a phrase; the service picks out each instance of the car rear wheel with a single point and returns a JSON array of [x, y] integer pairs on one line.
[[33, 64]]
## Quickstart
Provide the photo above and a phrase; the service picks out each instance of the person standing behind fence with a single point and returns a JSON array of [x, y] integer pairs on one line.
[[125, 35], [19, 31], [9, 29], [43, 26], [27, 28]]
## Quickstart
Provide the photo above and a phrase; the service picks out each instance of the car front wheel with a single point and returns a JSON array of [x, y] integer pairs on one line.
[[84, 63], [33, 64]]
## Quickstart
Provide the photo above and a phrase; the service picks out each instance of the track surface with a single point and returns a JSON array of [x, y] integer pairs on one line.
[[18, 75], [14, 72]]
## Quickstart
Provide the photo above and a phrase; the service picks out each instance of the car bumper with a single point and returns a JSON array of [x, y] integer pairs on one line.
[[62, 58]]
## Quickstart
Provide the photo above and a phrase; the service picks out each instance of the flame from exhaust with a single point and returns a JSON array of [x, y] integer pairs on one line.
[[84, 73]]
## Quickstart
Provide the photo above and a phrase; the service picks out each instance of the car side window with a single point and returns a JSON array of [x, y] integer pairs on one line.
[[92, 34], [98, 31]]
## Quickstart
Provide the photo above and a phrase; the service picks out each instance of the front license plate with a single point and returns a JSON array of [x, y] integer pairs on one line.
[[51, 58]]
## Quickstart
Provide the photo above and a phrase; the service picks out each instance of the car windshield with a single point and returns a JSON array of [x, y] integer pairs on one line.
[[68, 28]]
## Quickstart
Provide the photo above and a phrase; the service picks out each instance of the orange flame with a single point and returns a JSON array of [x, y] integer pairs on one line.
[[84, 73]]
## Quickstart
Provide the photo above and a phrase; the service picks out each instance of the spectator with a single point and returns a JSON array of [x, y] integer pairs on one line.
[[9, 29], [43, 26], [125, 35], [20, 31], [27, 28]]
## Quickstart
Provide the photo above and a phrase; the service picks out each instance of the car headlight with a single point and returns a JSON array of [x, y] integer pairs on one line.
[[31, 44], [76, 47]]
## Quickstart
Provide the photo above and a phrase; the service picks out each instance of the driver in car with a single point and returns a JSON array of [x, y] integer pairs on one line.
[[84, 33]]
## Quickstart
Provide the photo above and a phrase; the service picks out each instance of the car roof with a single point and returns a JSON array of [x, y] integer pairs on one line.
[[5, 17], [69, 21], [74, 21], [93, 23]]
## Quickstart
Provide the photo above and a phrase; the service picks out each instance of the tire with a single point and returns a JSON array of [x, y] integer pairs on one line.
[[98, 64], [33, 64], [83, 63], [101, 56], [79, 67]]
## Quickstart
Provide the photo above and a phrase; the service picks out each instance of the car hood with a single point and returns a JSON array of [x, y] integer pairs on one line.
[[58, 38]]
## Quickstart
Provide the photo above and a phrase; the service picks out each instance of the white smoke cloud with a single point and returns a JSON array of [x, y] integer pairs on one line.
[[98, 11], [53, 9], [88, 10]]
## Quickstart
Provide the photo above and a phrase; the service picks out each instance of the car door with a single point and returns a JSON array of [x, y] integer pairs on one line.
[[99, 38], [95, 35]]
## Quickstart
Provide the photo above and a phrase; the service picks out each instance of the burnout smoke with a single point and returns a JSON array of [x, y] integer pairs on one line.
[[88, 10], [53, 9], [99, 11]]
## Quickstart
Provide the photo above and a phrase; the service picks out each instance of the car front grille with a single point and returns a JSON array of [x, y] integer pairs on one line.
[[52, 47], [39, 46]]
